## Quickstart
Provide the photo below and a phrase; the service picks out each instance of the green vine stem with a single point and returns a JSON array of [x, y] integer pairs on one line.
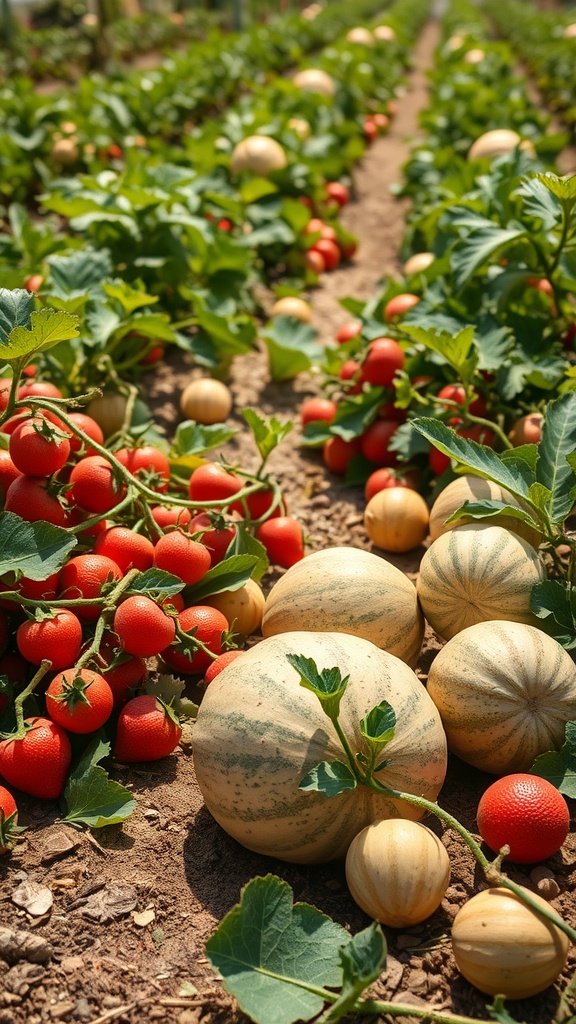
[[109, 606], [490, 868], [21, 730]]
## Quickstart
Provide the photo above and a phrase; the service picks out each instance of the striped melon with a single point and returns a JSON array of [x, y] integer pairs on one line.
[[505, 691], [474, 573], [348, 590], [475, 488], [259, 732]]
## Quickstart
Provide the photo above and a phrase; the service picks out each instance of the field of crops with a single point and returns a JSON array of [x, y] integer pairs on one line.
[[287, 546]]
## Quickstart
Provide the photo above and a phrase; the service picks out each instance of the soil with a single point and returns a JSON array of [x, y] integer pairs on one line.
[[94, 961]]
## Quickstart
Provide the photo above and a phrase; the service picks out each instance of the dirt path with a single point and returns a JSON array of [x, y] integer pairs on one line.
[[170, 857]]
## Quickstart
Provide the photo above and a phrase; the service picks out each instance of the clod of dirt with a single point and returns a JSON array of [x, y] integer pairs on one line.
[[35, 899], [58, 844], [23, 945], [108, 904]]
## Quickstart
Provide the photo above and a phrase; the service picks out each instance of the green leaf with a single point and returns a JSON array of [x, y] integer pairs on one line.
[[558, 440], [356, 413], [458, 350], [230, 574], [171, 692], [524, 452], [128, 297], [478, 247], [195, 438], [552, 602], [79, 272], [378, 726], [491, 508], [246, 544], [16, 306], [499, 1013], [267, 433], [559, 766], [483, 461], [292, 347], [363, 960], [329, 778], [91, 798], [274, 956], [35, 550], [47, 328], [155, 583], [563, 188], [328, 685]]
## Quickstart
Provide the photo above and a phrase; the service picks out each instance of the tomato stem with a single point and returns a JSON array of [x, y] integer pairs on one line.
[[109, 607], [20, 732]]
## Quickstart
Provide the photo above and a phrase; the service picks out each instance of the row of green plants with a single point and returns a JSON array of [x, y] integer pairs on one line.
[[200, 238], [544, 39], [481, 322], [66, 52]]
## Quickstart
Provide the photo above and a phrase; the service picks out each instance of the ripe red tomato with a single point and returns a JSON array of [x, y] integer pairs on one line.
[[283, 540], [149, 464], [8, 471], [212, 482], [38, 590], [84, 577], [216, 539], [37, 448], [206, 624], [31, 498], [38, 763], [338, 192], [313, 409], [375, 440], [399, 306], [153, 356], [89, 426], [370, 130], [219, 663], [170, 515], [351, 329], [525, 812], [350, 370], [224, 224], [315, 261], [8, 819], [337, 453], [384, 358], [5, 386], [33, 283], [329, 252], [142, 627], [316, 226], [383, 478], [381, 121], [39, 389], [58, 639], [146, 731], [129, 550], [79, 701], [94, 484], [457, 393], [259, 503], [124, 676], [177, 553]]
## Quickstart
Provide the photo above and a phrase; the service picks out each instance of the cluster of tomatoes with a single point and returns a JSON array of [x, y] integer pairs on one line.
[[84, 620], [325, 247], [375, 125]]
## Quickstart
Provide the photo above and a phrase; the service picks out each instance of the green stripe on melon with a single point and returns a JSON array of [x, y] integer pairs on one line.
[[474, 573], [348, 590], [259, 732], [505, 691]]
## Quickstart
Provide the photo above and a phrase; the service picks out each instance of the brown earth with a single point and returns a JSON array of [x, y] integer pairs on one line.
[[170, 858]]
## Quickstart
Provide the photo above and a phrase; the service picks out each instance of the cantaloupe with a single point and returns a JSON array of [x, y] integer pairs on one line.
[[259, 732], [348, 590], [475, 488], [505, 691], [474, 573]]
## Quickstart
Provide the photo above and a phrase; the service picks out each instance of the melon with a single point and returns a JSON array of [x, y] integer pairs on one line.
[[474, 573], [360, 36], [475, 488], [348, 590], [505, 691], [494, 143], [259, 733], [418, 262], [315, 80], [259, 154], [384, 33]]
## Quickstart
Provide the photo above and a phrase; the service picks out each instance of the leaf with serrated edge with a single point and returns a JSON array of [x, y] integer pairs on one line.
[[378, 725], [91, 797], [454, 348], [16, 306], [274, 956], [558, 440], [477, 457], [329, 778], [47, 328], [478, 247], [559, 766], [156, 582], [267, 433], [362, 962], [35, 550], [492, 508]]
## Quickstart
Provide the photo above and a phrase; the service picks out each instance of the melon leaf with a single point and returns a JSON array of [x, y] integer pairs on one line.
[[277, 957], [559, 766]]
